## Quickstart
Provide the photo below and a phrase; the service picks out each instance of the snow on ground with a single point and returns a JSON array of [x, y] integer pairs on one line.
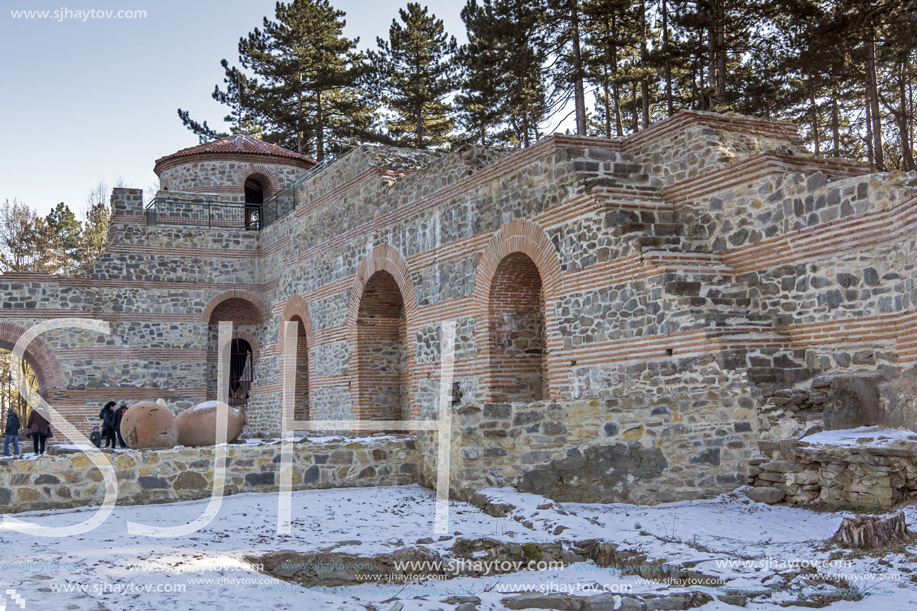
[[731, 537], [864, 436], [73, 447]]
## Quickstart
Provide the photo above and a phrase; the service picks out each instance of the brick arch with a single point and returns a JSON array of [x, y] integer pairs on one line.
[[256, 350], [297, 306], [38, 354], [245, 172], [519, 237], [382, 258], [233, 294], [529, 239]]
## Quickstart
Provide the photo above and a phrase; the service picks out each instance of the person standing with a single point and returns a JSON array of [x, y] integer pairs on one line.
[[119, 414], [107, 416], [13, 424], [39, 429]]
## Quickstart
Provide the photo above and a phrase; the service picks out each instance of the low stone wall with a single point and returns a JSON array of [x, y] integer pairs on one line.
[[665, 436], [152, 476], [839, 477]]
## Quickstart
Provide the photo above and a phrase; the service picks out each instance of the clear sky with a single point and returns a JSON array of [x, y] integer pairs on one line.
[[84, 101]]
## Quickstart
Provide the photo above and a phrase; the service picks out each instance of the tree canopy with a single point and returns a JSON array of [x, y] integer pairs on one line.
[[843, 70]]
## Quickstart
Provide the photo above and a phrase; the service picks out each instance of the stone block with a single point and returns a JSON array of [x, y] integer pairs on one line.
[[765, 494]]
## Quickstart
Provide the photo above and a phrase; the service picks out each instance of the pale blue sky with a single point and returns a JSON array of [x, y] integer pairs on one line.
[[84, 101]]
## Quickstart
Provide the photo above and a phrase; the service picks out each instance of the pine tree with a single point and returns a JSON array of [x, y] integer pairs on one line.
[[478, 102], [564, 35], [308, 70], [65, 237], [239, 89], [417, 75], [503, 64], [298, 81]]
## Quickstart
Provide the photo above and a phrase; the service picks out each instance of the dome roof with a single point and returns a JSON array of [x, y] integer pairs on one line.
[[237, 144]]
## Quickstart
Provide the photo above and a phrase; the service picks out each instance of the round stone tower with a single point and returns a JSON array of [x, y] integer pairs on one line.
[[236, 168]]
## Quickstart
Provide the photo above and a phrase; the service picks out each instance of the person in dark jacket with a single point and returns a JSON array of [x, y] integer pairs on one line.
[[119, 414], [39, 429], [107, 416], [13, 425], [95, 436]]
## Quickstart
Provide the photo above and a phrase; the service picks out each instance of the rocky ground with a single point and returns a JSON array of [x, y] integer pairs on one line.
[[354, 549]]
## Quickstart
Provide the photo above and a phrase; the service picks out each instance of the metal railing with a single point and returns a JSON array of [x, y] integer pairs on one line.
[[203, 213], [208, 213], [287, 199]]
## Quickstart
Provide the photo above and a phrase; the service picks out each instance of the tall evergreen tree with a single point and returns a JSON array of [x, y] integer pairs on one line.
[[478, 101], [503, 65], [65, 231], [303, 83], [417, 75], [564, 35]]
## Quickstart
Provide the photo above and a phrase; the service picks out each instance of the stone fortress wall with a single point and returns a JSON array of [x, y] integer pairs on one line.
[[627, 310]]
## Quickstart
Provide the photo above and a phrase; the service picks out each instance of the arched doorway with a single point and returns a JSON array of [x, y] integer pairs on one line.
[[381, 350], [246, 315], [301, 378], [516, 331], [241, 371], [10, 397], [255, 188]]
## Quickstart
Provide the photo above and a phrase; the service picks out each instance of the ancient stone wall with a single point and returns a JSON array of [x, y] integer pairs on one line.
[[70, 479], [627, 311], [872, 478]]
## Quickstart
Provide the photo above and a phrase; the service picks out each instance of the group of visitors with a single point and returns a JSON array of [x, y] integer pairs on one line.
[[111, 426], [39, 429]]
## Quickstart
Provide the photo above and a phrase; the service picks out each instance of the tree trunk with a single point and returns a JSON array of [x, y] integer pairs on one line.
[[579, 93], [711, 57], [669, 105], [872, 92], [633, 86], [867, 532], [619, 122], [299, 134], [644, 84], [907, 149], [607, 93], [720, 12], [869, 140], [814, 118], [319, 128], [835, 125]]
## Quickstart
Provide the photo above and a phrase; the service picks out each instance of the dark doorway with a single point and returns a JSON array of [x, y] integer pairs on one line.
[[254, 191], [254, 197], [241, 371]]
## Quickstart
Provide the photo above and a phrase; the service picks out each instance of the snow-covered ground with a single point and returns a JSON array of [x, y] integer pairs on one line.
[[864, 436], [731, 537]]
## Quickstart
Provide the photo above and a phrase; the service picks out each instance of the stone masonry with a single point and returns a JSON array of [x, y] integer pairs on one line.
[[629, 312], [69, 478]]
